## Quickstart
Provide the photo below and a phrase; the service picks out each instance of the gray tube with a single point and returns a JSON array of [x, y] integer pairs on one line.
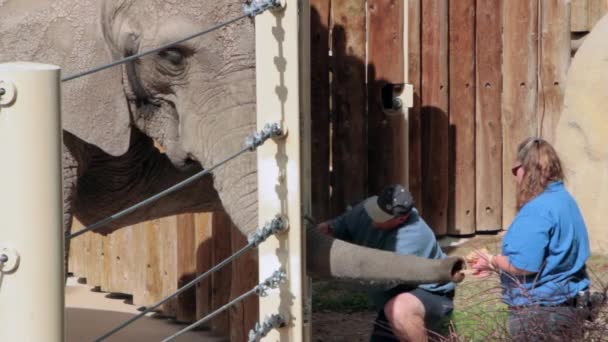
[[332, 258]]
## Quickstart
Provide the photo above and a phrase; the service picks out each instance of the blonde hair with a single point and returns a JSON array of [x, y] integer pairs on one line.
[[541, 166]]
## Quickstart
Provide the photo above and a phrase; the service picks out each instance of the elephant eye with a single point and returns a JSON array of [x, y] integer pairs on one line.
[[174, 55]]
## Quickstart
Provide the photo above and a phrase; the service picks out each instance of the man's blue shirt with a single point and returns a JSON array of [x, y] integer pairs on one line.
[[413, 237], [548, 237]]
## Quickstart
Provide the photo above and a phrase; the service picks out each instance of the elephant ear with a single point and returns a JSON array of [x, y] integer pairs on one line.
[[69, 34], [100, 117]]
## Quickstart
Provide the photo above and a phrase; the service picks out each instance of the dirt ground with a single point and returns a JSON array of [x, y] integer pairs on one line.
[[342, 327]]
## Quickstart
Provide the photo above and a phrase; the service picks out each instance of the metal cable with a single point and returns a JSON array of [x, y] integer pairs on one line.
[[178, 292], [261, 289], [211, 315], [253, 142], [277, 225], [250, 10]]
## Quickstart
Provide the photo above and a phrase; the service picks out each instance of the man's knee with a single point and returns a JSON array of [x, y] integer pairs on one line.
[[404, 306]]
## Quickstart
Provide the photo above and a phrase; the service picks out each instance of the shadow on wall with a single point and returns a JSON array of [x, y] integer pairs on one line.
[[359, 142]]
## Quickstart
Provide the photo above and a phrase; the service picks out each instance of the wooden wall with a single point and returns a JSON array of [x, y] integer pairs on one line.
[[585, 13], [486, 74], [153, 259]]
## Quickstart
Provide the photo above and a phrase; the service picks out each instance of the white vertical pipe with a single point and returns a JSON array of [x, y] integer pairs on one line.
[[31, 295]]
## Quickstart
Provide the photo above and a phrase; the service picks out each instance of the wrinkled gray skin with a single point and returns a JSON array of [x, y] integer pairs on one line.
[[195, 101]]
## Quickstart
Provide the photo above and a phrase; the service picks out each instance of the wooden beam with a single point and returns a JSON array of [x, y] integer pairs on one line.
[[435, 113], [139, 263], [554, 63], [349, 93], [167, 245], [461, 214], [204, 259], [186, 267], [415, 127], [579, 21], [244, 315], [488, 127], [596, 10], [220, 290], [319, 101], [387, 127], [519, 99], [153, 283]]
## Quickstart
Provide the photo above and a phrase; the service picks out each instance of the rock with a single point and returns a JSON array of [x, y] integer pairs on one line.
[[582, 133]]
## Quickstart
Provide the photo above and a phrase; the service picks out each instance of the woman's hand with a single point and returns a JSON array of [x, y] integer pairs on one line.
[[481, 263]]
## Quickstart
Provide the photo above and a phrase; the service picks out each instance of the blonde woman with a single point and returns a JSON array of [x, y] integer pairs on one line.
[[542, 265]]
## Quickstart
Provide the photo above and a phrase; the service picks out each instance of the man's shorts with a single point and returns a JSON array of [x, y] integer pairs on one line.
[[438, 309]]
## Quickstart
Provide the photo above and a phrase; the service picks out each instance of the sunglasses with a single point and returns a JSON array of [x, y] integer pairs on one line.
[[515, 169]]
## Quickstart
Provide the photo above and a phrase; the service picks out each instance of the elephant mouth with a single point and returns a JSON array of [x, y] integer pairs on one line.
[[189, 163]]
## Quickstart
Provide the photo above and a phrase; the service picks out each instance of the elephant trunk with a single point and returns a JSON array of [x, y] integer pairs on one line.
[[236, 184], [329, 257]]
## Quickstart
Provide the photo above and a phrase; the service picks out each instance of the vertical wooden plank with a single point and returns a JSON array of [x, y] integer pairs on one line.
[[319, 35], [186, 267], [105, 277], [79, 250], [119, 258], [519, 101], [386, 130], [113, 259], [434, 113], [168, 262], [461, 213], [349, 141], [204, 254], [596, 10], [220, 279], [579, 21], [415, 127], [488, 128], [385, 70], [153, 261], [244, 315], [554, 63], [96, 264], [139, 266]]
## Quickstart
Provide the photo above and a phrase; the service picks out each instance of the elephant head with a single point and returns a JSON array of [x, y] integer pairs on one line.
[[195, 99]]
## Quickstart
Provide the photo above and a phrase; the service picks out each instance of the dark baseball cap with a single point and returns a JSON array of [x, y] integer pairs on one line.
[[393, 201]]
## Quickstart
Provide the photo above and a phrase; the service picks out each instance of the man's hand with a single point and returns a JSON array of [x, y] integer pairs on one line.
[[325, 228]]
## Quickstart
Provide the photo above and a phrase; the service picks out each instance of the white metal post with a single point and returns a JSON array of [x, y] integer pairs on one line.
[[31, 233], [407, 99], [283, 88]]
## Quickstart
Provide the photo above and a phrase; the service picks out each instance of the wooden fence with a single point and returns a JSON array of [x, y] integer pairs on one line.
[[486, 74], [153, 259]]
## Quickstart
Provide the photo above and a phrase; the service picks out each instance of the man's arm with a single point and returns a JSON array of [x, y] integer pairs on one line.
[[336, 228], [325, 228]]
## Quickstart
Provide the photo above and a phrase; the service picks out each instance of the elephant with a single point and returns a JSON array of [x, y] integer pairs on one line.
[[135, 129]]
